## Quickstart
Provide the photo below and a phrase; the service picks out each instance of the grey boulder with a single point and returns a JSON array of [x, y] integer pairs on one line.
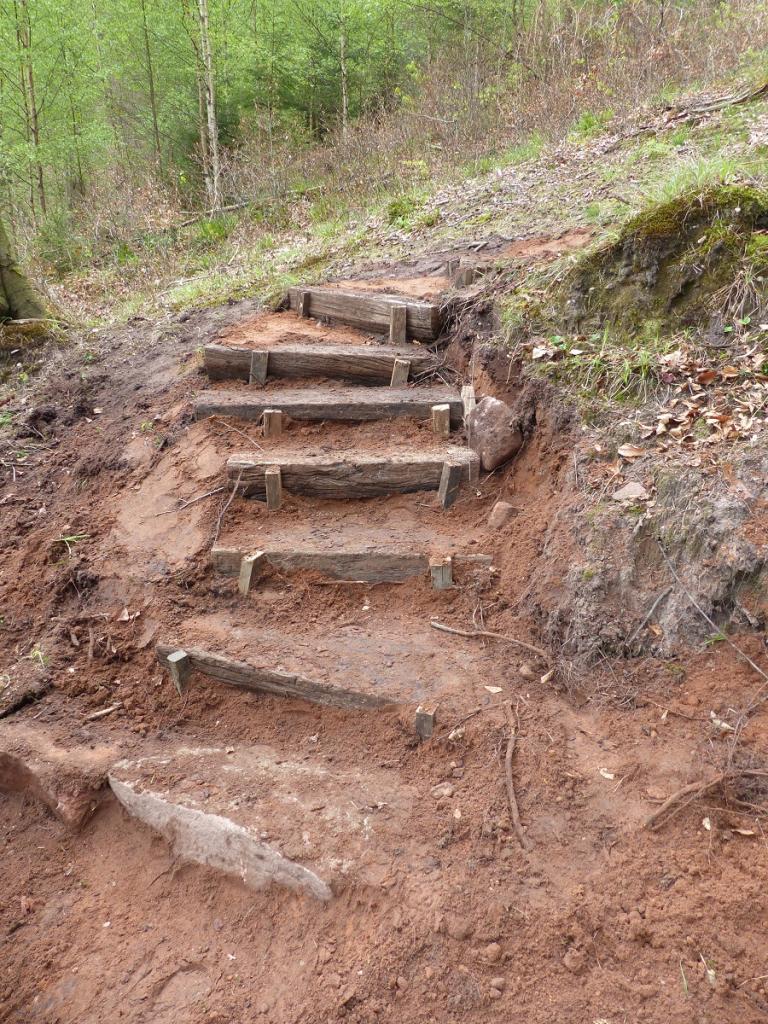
[[493, 433]]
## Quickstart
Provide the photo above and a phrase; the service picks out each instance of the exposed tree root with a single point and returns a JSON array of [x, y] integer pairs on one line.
[[491, 636], [522, 838]]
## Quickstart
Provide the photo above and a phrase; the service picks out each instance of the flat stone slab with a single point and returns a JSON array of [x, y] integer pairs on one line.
[[270, 821]]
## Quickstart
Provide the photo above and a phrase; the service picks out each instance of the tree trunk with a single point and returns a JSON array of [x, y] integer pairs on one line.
[[213, 171], [19, 300], [152, 89], [28, 87], [344, 81]]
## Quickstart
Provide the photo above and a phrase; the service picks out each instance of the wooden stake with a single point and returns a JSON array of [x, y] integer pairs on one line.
[[259, 363], [400, 372], [398, 316], [179, 665], [250, 570], [273, 423], [450, 482], [303, 305], [465, 277], [441, 571], [425, 722], [451, 267], [274, 487], [441, 420]]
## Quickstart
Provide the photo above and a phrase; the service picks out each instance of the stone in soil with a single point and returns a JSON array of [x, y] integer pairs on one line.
[[493, 433], [268, 820]]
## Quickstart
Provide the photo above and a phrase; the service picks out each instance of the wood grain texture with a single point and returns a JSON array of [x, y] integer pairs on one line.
[[363, 476], [371, 566], [281, 684], [450, 482], [331, 404], [370, 311], [362, 364]]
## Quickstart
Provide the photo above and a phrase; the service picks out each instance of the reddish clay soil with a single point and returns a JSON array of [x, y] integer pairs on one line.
[[420, 287], [545, 247], [276, 328], [601, 919]]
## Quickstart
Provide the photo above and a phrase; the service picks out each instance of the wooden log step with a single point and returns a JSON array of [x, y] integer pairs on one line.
[[331, 404], [358, 476], [367, 566], [362, 364], [245, 676], [370, 311]]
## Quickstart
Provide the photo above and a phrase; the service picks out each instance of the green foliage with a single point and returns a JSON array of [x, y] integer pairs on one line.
[[590, 124], [679, 260], [400, 211], [59, 245], [211, 231]]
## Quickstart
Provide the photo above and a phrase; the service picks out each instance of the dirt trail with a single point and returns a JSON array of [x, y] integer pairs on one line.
[[448, 919]]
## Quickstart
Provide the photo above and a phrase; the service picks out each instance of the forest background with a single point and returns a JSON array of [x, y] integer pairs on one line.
[[141, 133]]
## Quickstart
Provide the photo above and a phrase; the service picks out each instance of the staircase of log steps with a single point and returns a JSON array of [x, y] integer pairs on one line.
[[377, 380]]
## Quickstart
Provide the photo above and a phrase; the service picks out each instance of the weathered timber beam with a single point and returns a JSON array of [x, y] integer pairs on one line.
[[362, 364], [371, 311], [340, 404], [365, 477], [245, 676]]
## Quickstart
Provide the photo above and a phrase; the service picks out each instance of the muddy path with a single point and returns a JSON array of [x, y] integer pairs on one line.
[[429, 908]]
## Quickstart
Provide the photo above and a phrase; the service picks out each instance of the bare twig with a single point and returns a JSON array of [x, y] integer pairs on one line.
[[648, 615], [522, 838], [466, 718], [95, 715], [223, 512], [472, 633], [237, 430], [192, 501], [683, 797]]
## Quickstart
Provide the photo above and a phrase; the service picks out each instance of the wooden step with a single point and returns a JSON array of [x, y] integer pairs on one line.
[[363, 364], [365, 566], [331, 404], [356, 476], [383, 655], [246, 676], [370, 311]]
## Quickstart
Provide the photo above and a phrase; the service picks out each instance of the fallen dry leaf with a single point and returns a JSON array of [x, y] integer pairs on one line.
[[631, 451]]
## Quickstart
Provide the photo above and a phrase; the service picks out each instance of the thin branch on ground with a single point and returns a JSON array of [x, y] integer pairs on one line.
[[230, 499], [474, 633], [237, 430], [466, 718], [192, 501], [514, 725]]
